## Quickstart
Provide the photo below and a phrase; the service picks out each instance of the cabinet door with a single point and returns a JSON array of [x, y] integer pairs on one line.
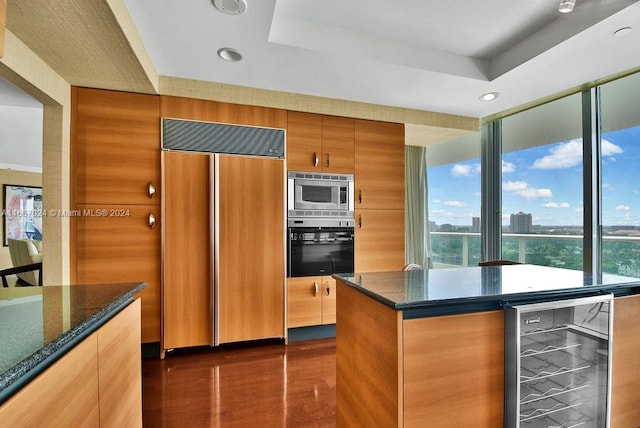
[[187, 251], [304, 142], [251, 268], [120, 245], [117, 147], [119, 371], [304, 301], [379, 165], [338, 145], [328, 300], [379, 240], [64, 395]]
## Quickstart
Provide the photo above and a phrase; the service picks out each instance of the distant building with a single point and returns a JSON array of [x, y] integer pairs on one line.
[[475, 227], [445, 228], [433, 227], [520, 223]]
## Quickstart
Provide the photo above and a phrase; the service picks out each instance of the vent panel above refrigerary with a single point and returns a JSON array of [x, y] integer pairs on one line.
[[211, 137]]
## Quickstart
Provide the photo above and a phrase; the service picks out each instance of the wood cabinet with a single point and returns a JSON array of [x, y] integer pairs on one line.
[[187, 280], [97, 383], [115, 156], [311, 301], [379, 165], [117, 147], [250, 269], [121, 243], [318, 143], [625, 394], [445, 371], [379, 240]]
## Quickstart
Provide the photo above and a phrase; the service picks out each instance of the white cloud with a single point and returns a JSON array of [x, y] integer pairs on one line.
[[458, 204], [556, 205], [522, 188], [459, 170], [623, 208], [508, 167], [436, 201], [569, 154], [610, 149]]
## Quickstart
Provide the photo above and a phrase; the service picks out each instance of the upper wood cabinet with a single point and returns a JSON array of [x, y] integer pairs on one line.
[[116, 136], [379, 165], [317, 143], [213, 111]]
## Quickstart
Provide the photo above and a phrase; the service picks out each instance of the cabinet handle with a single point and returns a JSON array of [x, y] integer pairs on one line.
[[315, 288], [315, 159], [328, 289], [360, 196], [151, 190], [328, 159], [360, 221], [152, 221]]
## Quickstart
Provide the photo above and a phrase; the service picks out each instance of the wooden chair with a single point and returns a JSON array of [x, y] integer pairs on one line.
[[498, 263], [412, 266], [20, 269]]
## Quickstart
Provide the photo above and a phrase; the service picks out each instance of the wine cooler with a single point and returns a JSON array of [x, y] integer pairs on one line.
[[558, 363]]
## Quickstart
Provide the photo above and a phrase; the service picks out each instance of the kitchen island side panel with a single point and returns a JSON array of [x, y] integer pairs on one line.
[[368, 361], [625, 391], [454, 371]]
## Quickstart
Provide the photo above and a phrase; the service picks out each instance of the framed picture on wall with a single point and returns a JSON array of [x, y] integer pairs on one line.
[[22, 212]]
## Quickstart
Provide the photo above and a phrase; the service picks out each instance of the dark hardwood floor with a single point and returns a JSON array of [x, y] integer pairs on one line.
[[261, 385]]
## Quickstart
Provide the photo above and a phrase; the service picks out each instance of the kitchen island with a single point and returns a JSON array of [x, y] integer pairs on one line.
[[426, 348], [70, 355]]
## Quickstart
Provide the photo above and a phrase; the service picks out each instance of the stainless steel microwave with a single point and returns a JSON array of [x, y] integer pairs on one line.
[[320, 195]]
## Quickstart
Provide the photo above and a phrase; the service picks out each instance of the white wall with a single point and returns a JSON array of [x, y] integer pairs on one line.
[[21, 138]]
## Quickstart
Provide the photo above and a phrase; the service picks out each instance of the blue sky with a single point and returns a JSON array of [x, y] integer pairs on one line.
[[546, 182]]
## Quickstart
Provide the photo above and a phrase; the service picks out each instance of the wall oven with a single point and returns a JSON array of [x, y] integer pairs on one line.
[[319, 247]]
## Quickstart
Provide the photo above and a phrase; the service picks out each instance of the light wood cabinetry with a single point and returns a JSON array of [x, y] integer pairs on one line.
[[117, 147], [97, 383], [379, 165], [115, 189], [318, 143], [121, 243], [250, 275], [625, 394], [379, 240], [311, 301], [438, 371], [187, 281]]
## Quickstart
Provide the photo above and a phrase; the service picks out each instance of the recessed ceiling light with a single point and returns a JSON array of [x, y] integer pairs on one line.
[[566, 6], [230, 7], [489, 96], [622, 31], [229, 54]]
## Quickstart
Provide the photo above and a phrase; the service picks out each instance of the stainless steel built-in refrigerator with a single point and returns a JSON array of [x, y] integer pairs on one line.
[[558, 363]]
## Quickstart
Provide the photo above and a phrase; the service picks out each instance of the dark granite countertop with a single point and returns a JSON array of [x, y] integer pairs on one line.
[[435, 292], [40, 324]]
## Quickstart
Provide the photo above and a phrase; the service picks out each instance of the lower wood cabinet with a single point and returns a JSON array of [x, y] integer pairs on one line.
[[311, 300], [97, 383], [122, 244]]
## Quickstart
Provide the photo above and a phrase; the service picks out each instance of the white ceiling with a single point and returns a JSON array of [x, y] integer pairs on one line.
[[420, 54]]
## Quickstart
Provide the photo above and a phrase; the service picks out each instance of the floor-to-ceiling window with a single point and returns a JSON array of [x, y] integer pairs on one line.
[[542, 190], [620, 112], [453, 170]]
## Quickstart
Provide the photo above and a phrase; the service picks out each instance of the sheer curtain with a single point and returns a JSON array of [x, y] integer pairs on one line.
[[417, 245]]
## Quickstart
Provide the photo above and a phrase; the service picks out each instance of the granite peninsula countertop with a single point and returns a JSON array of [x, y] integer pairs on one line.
[[434, 292], [38, 325]]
